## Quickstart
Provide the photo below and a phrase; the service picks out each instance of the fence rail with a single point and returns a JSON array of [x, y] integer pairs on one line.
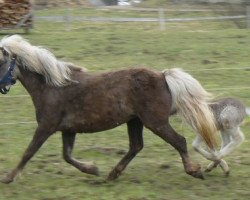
[[157, 9], [161, 19], [135, 19]]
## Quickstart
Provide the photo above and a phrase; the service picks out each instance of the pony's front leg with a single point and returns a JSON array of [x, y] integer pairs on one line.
[[231, 138], [222, 163], [68, 145], [235, 138], [212, 165], [41, 135], [135, 131], [224, 166]]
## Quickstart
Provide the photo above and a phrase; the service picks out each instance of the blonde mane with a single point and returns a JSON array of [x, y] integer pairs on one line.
[[39, 60]]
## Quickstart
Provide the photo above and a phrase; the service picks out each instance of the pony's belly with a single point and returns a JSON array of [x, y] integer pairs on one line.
[[91, 126]]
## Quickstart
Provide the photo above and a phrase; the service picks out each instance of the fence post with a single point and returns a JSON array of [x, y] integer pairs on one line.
[[161, 19], [248, 16], [68, 16]]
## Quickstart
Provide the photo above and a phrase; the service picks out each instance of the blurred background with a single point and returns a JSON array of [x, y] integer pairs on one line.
[[210, 39]]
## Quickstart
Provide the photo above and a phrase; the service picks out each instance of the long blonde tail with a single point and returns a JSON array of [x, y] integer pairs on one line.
[[189, 98]]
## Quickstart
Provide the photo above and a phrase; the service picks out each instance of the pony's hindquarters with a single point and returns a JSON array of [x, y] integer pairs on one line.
[[189, 98]]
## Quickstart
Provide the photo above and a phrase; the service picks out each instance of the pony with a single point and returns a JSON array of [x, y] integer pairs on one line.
[[71, 100], [229, 114]]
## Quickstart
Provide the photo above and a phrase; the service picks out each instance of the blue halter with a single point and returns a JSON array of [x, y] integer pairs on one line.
[[8, 78]]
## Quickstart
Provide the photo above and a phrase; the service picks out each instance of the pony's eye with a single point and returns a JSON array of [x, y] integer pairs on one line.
[[5, 53]]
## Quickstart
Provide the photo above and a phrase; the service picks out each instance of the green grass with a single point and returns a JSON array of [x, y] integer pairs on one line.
[[157, 172]]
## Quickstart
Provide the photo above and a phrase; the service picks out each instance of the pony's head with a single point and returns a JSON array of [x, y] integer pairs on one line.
[[7, 70], [17, 52]]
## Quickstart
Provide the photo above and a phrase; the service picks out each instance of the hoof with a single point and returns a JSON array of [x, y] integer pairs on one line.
[[94, 171], [7, 180], [88, 168], [195, 171], [207, 170], [227, 174], [113, 175], [197, 174]]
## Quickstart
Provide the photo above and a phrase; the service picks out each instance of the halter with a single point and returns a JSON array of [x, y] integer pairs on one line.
[[8, 78]]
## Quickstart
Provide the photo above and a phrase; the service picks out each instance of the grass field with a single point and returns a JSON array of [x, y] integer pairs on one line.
[[157, 172]]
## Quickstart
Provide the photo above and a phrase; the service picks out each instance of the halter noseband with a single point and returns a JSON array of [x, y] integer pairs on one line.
[[8, 78]]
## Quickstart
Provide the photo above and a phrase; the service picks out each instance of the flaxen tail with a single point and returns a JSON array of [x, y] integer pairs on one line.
[[189, 98]]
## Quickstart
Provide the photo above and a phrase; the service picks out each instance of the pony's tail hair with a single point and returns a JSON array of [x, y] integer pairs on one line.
[[190, 99]]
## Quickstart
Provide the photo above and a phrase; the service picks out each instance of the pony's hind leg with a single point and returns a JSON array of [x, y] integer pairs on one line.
[[236, 138], [225, 137], [231, 138], [222, 163], [167, 133], [225, 140], [135, 130], [68, 145]]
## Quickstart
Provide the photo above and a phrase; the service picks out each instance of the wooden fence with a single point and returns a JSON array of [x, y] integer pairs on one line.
[[161, 19]]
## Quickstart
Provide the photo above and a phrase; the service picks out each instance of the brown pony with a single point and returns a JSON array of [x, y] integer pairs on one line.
[[71, 100]]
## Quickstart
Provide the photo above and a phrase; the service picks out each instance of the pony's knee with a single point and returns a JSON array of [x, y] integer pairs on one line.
[[137, 148], [238, 137]]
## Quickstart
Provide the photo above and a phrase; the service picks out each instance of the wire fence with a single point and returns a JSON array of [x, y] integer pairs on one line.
[[68, 16]]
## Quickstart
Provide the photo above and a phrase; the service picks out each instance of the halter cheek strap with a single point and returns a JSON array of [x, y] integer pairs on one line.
[[8, 78]]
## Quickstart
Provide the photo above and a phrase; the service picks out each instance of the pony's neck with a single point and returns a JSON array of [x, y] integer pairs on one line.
[[33, 82]]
